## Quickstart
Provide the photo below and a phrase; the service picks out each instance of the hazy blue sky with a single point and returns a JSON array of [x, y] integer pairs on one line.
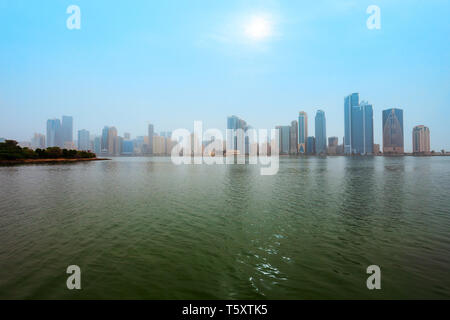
[[172, 62]]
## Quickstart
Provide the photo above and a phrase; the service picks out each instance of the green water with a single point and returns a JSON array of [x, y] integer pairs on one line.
[[147, 229]]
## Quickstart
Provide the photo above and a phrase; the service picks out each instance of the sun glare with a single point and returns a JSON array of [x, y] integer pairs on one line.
[[258, 28]]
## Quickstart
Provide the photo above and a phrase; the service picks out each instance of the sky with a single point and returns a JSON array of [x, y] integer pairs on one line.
[[175, 61]]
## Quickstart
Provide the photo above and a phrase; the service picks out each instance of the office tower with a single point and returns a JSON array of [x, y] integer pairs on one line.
[[112, 141], [54, 135], [67, 130], [38, 141], [151, 133], [105, 142], [421, 139], [321, 132], [284, 139], [393, 131], [294, 137], [126, 136], [358, 122], [234, 123], [302, 131], [83, 140], [333, 145], [127, 147], [311, 145], [97, 145], [376, 148]]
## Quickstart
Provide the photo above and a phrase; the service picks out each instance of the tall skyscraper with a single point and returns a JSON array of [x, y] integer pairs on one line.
[[112, 141], [421, 139], [321, 132], [97, 145], [284, 137], [83, 140], [294, 137], [311, 145], [54, 134], [358, 122], [393, 131], [104, 141], [233, 124], [151, 133], [302, 131], [67, 130]]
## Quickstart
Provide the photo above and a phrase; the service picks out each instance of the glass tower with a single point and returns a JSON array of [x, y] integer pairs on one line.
[[321, 132]]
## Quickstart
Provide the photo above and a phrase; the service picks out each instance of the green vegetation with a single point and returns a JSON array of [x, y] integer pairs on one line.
[[9, 150]]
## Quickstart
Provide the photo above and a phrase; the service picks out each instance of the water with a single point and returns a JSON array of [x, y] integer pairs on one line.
[[143, 228]]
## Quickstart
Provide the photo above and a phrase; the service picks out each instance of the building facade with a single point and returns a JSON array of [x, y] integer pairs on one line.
[[294, 137], [311, 145], [83, 140], [421, 140], [393, 141], [302, 132], [321, 132]]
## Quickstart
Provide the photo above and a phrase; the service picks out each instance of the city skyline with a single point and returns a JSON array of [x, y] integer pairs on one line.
[[125, 65]]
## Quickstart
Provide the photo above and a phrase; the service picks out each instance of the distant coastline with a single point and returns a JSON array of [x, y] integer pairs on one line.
[[47, 161]]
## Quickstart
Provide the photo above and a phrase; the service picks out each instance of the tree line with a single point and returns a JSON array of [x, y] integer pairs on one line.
[[10, 150]]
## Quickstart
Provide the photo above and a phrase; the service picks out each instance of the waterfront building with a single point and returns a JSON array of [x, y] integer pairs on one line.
[[151, 133], [284, 138], [311, 145], [67, 131], [83, 140], [358, 126], [421, 139], [321, 132], [293, 148], [54, 134], [393, 131], [302, 132], [333, 145]]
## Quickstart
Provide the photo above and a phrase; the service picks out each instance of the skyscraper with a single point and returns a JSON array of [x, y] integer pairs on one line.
[[294, 137], [112, 141], [393, 131], [104, 142], [311, 145], [302, 131], [358, 121], [151, 133], [83, 140], [54, 135], [67, 130], [349, 102], [234, 123], [421, 139], [284, 137], [97, 145], [321, 132]]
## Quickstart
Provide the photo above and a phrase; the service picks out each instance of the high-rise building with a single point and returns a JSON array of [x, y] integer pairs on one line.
[[104, 142], [83, 140], [127, 147], [151, 133], [333, 145], [54, 134], [358, 122], [67, 130], [38, 141], [234, 123], [393, 131], [302, 131], [421, 139], [97, 145], [311, 145], [112, 141], [126, 136], [294, 137], [321, 132], [284, 138]]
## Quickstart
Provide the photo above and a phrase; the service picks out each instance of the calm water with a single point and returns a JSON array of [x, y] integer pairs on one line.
[[144, 228]]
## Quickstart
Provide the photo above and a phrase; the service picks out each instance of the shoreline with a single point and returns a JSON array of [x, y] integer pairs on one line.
[[47, 161]]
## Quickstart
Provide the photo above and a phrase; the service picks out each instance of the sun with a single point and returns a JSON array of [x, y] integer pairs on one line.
[[258, 28]]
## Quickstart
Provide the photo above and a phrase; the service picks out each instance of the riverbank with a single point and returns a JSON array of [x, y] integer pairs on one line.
[[47, 161]]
